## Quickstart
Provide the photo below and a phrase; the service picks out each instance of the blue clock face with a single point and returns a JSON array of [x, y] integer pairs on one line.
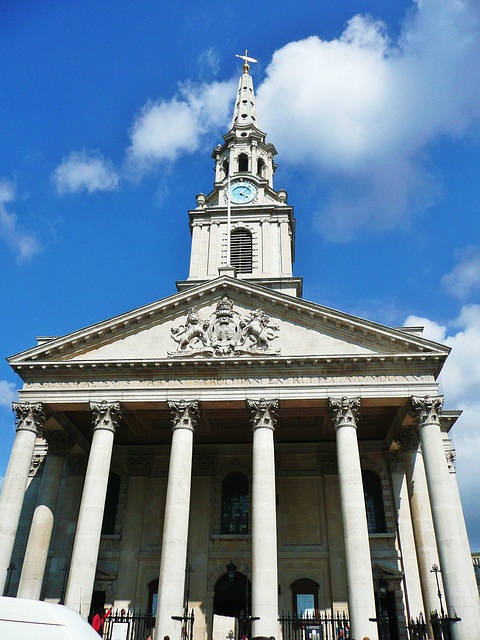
[[242, 192]]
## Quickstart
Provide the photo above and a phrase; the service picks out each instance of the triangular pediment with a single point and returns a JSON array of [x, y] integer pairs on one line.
[[229, 318]]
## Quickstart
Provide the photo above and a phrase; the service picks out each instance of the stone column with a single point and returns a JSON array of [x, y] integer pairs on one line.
[[361, 597], [90, 517], [413, 596], [171, 584], [264, 519], [461, 593], [425, 543], [195, 253], [218, 175], [254, 158], [36, 554], [30, 419]]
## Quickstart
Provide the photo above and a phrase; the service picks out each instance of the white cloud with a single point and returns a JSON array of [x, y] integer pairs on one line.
[[209, 61], [85, 171], [460, 381], [24, 244], [357, 112], [166, 129], [7, 393], [465, 276], [363, 109]]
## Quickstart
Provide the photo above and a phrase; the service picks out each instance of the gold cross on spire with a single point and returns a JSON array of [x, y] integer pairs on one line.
[[246, 60]]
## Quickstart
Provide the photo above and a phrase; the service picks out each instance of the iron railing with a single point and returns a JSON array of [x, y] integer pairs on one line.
[[417, 629], [128, 625], [321, 627], [441, 627]]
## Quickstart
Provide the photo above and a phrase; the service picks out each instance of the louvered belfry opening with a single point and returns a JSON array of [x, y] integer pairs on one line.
[[241, 250]]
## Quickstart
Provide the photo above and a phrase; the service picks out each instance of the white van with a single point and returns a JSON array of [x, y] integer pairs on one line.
[[36, 620]]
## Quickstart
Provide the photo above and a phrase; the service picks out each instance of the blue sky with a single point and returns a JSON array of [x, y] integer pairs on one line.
[[109, 114]]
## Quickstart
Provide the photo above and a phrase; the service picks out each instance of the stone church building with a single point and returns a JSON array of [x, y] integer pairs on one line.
[[234, 441]]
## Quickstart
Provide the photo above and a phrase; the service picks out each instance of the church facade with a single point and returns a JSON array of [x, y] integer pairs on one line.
[[237, 446]]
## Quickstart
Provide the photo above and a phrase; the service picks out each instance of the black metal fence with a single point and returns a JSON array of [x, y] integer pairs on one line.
[[139, 625], [441, 627], [321, 627], [128, 625]]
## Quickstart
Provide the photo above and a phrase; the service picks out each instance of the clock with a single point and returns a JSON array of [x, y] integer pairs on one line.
[[242, 192]]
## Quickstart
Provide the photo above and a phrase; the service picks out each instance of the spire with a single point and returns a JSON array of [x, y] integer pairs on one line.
[[245, 111]]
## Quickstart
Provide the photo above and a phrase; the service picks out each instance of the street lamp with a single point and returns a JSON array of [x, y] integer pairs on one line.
[[231, 570], [435, 569]]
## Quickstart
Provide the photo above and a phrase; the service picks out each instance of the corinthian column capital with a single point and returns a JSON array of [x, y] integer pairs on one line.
[[408, 438], [185, 414], [59, 442], [30, 416], [344, 411], [106, 415], [426, 410], [263, 413]]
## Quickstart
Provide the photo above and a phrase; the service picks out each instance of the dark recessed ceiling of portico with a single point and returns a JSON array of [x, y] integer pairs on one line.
[[302, 424]]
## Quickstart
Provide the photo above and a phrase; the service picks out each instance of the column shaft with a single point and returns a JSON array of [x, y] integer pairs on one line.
[[412, 590], [30, 417], [361, 597], [171, 584], [421, 513], [89, 525], [264, 521], [455, 560], [36, 553]]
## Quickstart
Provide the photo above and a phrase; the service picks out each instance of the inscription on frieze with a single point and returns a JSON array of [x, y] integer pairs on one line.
[[224, 333], [239, 380]]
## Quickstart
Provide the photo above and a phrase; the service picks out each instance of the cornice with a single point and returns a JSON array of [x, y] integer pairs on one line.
[[376, 365]]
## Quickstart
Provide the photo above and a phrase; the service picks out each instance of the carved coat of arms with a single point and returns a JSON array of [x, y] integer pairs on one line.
[[225, 333]]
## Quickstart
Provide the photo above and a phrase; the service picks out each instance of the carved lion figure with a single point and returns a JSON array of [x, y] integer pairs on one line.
[[257, 328], [191, 333]]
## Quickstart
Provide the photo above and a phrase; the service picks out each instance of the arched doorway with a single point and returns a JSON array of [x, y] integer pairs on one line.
[[233, 595]]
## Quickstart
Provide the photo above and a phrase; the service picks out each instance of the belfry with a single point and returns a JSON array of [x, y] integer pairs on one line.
[[233, 459]]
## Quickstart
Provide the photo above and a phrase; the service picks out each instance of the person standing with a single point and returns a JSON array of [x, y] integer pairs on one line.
[[99, 620]]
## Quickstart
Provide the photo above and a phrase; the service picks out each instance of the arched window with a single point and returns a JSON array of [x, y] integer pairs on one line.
[[372, 490], [243, 162], [305, 598], [261, 168], [234, 504], [111, 504], [241, 250]]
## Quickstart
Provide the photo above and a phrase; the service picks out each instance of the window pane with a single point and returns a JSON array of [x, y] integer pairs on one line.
[[234, 504]]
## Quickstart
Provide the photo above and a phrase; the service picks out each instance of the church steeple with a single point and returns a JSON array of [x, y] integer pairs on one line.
[[243, 217], [245, 111]]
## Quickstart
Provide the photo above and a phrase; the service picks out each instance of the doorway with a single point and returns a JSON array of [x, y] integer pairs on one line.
[[233, 596]]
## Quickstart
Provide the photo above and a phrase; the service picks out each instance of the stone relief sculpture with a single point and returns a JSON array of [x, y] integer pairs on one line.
[[192, 333], [225, 333]]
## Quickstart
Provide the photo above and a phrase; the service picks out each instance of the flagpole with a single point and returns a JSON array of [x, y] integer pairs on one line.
[[228, 222]]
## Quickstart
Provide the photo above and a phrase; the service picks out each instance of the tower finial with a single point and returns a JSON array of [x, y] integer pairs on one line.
[[246, 60]]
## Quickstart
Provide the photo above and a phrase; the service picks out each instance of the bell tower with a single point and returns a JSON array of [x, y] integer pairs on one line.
[[243, 227]]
